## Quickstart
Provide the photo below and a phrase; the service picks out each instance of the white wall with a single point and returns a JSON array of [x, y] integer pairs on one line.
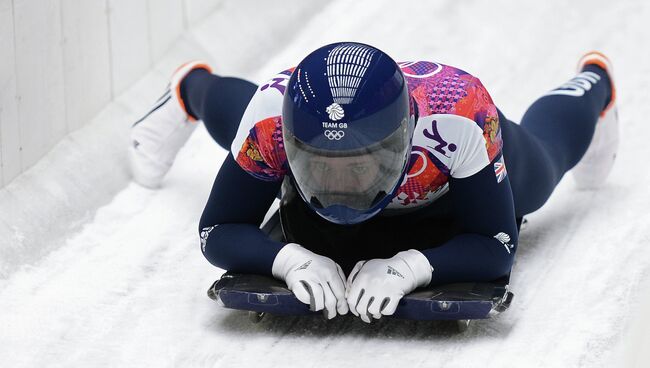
[[9, 135], [98, 92], [62, 61]]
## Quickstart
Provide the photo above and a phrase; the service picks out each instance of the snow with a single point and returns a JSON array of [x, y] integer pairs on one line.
[[126, 286]]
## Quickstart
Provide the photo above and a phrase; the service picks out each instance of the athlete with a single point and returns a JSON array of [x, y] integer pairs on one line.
[[392, 176]]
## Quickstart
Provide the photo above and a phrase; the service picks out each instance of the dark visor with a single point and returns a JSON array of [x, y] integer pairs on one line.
[[356, 178]]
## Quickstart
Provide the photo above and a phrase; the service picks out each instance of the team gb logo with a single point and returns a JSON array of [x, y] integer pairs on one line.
[[335, 112]]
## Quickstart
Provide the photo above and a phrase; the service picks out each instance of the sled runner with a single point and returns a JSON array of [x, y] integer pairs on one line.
[[461, 302]]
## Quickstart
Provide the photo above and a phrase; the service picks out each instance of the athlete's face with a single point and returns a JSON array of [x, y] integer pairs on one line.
[[344, 176]]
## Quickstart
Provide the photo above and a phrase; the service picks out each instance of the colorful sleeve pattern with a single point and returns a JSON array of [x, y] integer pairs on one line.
[[258, 146], [442, 145], [479, 107], [262, 154], [443, 89]]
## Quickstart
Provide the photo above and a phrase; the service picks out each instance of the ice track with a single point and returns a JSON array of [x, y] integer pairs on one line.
[[127, 289]]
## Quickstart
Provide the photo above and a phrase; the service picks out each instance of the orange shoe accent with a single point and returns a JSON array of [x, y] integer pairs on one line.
[[178, 86], [601, 60]]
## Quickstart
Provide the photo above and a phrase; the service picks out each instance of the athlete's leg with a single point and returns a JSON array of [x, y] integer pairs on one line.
[[218, 101], [554, 134], [157, 137]]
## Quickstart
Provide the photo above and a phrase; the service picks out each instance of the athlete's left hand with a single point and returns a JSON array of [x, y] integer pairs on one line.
[[375, 287]]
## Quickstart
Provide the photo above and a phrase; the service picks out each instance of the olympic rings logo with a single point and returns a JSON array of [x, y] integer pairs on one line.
[[334, 134]]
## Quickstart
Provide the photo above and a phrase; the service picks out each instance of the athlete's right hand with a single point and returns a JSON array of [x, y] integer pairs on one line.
[[314, 279]]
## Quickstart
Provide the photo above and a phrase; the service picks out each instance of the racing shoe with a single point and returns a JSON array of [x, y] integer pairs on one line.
[[597, 162], [157, 137]]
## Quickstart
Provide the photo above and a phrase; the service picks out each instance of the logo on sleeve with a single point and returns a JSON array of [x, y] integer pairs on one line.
[[205, 233], [435, 136], [504, 239], [278, 84], [500, 170]]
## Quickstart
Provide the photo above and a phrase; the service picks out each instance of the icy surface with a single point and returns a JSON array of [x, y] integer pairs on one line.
[[128, 288]]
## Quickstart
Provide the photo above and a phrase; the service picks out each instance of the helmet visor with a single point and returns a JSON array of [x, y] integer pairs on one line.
[[357, 178]]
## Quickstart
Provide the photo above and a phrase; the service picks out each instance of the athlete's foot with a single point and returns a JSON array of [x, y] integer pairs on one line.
[[157, 137], [596, 164]]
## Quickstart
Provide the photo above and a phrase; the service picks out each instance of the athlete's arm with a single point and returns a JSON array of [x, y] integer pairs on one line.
[[485, 251], [231, 239], [247, 183], [229, 226]]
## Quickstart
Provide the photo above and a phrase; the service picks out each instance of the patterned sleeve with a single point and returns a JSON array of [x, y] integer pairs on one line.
[[262, 153], [483, 148], [478, 106], [258, 147]]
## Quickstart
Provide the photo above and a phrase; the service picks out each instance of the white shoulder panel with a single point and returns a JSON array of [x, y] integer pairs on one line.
[[265, 103], [456, 141]]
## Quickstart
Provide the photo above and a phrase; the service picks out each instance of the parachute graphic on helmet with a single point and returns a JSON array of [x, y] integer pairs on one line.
[[346, 66], [347, 129]]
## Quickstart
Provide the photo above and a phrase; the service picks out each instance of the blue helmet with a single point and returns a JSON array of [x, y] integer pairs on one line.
[[347, 129]]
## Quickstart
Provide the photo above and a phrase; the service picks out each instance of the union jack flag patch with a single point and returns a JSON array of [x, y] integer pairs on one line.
[[500, 170]]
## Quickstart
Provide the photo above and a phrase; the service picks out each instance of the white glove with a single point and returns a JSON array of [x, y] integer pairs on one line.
[[375, 287], [314, 279]]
